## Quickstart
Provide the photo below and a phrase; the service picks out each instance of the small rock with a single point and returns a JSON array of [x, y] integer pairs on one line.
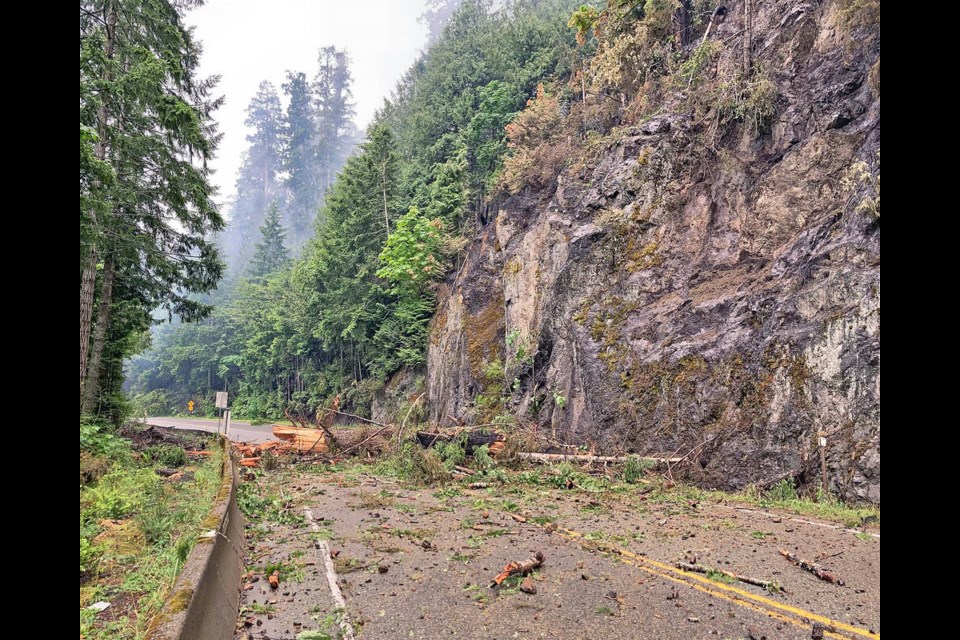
[[656, 125], [527, 586], [383, 569], [693, 619], [584, 576], [816, 632], [778, 519]]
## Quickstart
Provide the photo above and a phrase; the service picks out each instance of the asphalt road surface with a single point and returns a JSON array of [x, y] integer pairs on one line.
[[239, 431], [416, 563]]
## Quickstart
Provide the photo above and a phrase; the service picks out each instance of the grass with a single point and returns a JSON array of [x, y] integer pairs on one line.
[[720, 576], [288, 570], [462, 557], [259, 609], [424, 467], [136, 530], [266, 507]]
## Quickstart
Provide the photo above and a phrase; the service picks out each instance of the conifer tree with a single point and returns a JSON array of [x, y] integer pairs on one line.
[[257, 183], [146, 206], [301, 157], [271, 254]]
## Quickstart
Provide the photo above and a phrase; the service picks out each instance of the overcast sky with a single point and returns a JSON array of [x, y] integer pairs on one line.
[[246, 41]]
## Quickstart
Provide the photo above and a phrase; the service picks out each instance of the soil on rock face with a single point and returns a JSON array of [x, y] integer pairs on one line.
[[689, 290], [416, 563]]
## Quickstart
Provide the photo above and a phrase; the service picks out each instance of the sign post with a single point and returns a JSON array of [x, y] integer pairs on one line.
[[220, 403]]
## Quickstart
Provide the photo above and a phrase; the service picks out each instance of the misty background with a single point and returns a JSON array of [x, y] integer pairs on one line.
[[248, 41]]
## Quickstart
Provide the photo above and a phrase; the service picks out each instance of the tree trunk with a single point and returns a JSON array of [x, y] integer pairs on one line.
[[87, 281], [383, 181], [681, 18], [747, 37], [89, 275], [92, 386]]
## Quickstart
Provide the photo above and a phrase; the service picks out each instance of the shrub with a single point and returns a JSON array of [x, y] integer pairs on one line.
[[634, 469], [536, 152], [106, 501], [157, 521], [752, 101], [169, 455], [96, 440], [89, 554], [857, 14]]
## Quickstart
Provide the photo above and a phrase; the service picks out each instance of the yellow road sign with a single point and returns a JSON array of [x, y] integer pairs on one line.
[[190, 406]]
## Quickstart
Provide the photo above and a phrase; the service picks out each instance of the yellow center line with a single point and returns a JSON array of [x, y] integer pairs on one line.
[[777, 610]]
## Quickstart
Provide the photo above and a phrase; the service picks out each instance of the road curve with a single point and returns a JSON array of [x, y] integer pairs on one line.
[[239, 431]]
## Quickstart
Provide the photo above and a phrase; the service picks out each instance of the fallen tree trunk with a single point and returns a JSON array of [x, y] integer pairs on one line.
[[518, 567], [303, 440], [474, 439], [769, 585], [552, 458], [812, 567]]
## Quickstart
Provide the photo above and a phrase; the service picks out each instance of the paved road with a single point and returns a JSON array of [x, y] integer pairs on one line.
[[416, 562], [239, 431]]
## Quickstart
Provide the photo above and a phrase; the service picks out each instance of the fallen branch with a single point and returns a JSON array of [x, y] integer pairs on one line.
[[515, 568], [473, 440], [363, 442], [356, 417], [409, 410], [812, 567], [769, 585], [550, 458]]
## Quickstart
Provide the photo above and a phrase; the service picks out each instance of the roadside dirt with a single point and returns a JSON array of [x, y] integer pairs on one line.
[[415, 563]]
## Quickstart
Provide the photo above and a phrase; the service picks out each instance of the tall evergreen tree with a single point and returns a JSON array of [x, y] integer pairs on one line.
[[333, 94], [301, 157], [146, 207], [271, 254], [257, 183], [350, 302]]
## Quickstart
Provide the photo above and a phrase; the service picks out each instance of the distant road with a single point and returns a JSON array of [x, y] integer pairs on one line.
[[239, 431]]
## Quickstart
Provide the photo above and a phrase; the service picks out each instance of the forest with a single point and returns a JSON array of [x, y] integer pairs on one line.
[[334, 259]]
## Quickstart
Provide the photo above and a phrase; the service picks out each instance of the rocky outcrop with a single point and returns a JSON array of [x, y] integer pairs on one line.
[[693, 291]]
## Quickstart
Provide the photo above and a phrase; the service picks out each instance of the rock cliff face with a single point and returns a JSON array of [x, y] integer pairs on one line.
[[694, 292]]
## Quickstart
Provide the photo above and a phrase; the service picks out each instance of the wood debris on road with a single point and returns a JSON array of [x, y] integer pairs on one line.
[[769, 585], [824, 574], [514, 568]]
